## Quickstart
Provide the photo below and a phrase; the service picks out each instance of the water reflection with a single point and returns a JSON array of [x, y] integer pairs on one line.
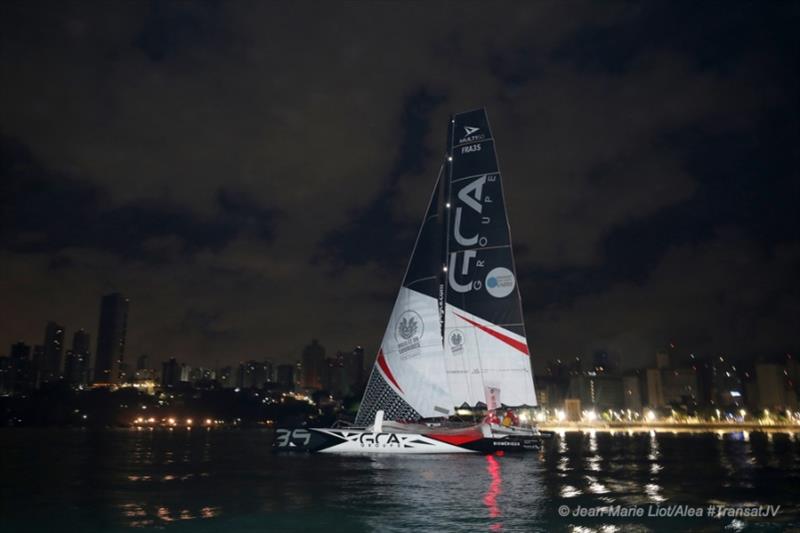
[[494, 490], [230, 481]]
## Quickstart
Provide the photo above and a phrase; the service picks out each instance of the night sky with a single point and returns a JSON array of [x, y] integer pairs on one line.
[[252, 175]]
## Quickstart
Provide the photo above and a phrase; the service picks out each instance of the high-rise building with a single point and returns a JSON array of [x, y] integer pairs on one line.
[[170, 373], [334, 375], [286, 377], [226, 377], [774, 391], [37, 365], [111, 337], [19, 376], [654, 387], [631, 386], [76, 366], [313, 365], [269, 370], [355, 370], [53, 352], [252, 374]]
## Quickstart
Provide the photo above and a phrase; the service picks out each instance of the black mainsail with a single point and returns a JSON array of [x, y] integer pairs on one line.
[[456, 330], [485, 343]]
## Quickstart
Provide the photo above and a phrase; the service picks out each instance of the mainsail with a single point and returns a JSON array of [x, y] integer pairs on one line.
[[456, 329], [485, 344]]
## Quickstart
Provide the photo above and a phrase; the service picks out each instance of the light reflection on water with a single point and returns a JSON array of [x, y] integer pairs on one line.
[[116, 479]]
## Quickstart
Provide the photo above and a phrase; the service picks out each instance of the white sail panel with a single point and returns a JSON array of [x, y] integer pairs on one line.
[[410, 359], [480, 355]]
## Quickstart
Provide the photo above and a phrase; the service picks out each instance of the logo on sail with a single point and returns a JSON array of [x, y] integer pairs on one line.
[[471, 134], [456, 341], [408, 331], [500, 282]]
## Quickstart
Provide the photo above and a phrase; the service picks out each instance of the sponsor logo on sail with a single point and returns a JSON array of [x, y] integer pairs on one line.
[[500, 282], [471, 135], [408, 332], [456, 341]]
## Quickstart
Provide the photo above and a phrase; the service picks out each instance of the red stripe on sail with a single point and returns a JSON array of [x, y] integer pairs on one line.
[[521, 346], [385, 367]]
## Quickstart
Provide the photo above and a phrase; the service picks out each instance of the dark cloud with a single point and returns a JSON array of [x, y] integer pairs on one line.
[[46, 212], [365, 238], [253, 174]]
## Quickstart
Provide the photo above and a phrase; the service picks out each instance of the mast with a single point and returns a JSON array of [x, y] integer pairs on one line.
[[484, 335]]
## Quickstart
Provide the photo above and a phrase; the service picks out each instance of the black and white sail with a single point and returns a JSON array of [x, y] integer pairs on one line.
[[408, 381], [485, 345], [456, 332]]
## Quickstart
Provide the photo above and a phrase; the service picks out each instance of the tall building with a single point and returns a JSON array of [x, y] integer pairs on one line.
[[53, 352], [170, 373], [252, 374], [654, 387], [355, 370], [631, 387], [286, 377], [774, 391], [313, 365], [37, 365], [144, 373], [680, 387], [111, 339], [334, 375], [76, 366], [19, 376], [226, 377], [600, 391]]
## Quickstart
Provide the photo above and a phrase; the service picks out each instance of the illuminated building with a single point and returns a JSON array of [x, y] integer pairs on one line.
[[76, 367], [53, 352]]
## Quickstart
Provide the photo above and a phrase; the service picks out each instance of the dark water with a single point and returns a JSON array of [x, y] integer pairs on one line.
[[80, 480]]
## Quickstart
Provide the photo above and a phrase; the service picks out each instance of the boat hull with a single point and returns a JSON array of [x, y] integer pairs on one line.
[[360, 441]]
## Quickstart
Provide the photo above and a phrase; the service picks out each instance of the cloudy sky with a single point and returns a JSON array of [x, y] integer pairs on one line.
[[252, 175]]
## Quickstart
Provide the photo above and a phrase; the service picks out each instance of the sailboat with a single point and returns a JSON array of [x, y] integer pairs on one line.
[[456, 338]]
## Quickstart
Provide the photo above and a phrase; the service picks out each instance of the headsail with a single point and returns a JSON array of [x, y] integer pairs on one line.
[[485, 344], [408, 380]]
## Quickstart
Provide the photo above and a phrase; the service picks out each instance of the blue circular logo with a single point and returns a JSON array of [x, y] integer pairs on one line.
[[491, 283]]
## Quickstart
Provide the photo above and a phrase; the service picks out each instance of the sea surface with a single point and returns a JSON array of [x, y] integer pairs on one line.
[[58, 480]]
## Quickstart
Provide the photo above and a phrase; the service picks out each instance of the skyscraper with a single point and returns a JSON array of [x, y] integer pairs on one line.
[[313, 364], [76, 368], [19, 376], [286, 377], [111, 336], [53, 352]]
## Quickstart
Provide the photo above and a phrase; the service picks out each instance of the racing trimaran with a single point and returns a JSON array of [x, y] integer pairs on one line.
[[456, 337]]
